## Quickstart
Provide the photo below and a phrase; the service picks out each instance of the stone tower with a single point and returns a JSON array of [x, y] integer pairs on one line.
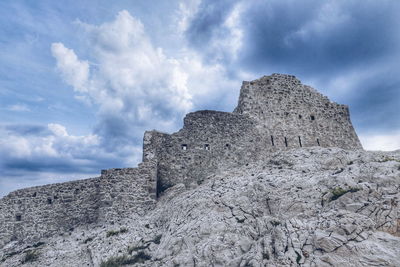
[[296, 115]]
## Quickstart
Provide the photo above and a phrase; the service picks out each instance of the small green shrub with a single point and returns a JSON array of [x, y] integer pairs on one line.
[[8, 255], [115, 261], [38, 244], [30, 255], [298, 258], [275, 223], [125, 260], [338, 192], [87, 240], [131, 249], [116, 232], [386, 159], [157, 239]]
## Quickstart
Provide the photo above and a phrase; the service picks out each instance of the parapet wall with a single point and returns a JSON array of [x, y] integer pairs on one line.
[[31, 213]]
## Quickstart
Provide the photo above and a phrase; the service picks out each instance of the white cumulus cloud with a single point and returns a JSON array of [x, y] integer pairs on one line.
[[384, 142], [74, 71], [135, 85]]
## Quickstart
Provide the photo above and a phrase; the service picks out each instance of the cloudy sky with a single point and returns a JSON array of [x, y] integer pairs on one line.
[[81, 80]]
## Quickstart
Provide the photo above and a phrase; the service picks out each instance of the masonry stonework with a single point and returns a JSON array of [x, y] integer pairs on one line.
[[273, 113], [32, 213]]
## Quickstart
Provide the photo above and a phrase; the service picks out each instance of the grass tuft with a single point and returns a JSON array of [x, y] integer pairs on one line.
[[116, 232], [338, 192], [140, 257], [30, 255]]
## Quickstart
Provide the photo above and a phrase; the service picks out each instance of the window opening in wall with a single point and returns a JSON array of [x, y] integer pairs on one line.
[[207, 147], [300, 116], [18, 218], [227, 146], [318, 142], [272, 140], [312, 117], [285, 141], [300, 142], [49, 201], [184, 147]]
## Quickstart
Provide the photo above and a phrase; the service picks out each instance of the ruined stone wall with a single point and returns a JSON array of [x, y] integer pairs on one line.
[[274, 113], [285, 108], [45, 210], [126, 191], [35, 212], [208, 140]]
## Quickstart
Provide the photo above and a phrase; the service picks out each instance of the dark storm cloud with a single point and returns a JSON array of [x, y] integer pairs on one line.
[[376, 104], [318, 37], [87, 165], [303, 36], [24, 130], [205, 25], [317, 41]]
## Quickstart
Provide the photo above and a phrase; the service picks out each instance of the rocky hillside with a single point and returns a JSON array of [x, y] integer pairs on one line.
[[302, 207]]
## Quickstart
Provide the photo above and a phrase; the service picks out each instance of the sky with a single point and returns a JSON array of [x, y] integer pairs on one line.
[[80, 81]]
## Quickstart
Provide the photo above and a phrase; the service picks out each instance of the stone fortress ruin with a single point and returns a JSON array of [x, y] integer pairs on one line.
[[274, 113]]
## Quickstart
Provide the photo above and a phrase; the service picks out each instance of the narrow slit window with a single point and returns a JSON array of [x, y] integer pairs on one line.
[[300, 142], [285, 141], [272, 140], [207, 147], [300, 116], [184, 147], [318, 142]]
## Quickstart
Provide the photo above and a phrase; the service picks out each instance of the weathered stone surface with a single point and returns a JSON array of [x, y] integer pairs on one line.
[[274, 113], [275, 212], [219, 192], [32, 213]]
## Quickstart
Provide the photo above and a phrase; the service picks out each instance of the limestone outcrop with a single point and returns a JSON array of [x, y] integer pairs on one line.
[[280, 181], [299, 207]]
